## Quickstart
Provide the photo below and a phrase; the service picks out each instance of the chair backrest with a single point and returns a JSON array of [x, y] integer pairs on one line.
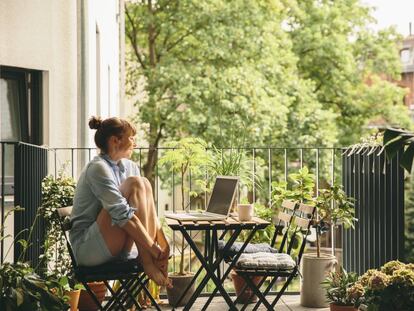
[[65, 225], [294, 218], [284, 219], [304, 219]]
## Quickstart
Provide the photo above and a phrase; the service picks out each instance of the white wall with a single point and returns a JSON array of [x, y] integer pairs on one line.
[[41, 34], [102, 15], [44, 35], [54, 37]]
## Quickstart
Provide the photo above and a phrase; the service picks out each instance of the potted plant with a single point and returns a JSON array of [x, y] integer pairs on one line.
[[21, 288], [334, 207], [337, 285], [183, 156], [231, 162], [302, 189], [58, 192], [389, 288]]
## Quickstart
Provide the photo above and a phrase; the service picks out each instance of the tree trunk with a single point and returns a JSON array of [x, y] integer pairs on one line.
[[318, 246], [149, 166]]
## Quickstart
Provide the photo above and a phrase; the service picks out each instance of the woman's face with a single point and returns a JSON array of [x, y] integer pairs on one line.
[[126, 146]]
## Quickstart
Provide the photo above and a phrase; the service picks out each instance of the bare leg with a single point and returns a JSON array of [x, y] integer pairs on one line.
[[154, 227], [118, 239], [141, 197]]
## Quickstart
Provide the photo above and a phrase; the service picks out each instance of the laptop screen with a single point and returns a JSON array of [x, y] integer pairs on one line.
[[222, 195]]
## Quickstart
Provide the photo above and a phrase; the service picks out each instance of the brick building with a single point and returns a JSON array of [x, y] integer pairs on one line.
[[407, 72]]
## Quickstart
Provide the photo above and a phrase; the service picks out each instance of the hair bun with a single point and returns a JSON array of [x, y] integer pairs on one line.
[[95, 123]]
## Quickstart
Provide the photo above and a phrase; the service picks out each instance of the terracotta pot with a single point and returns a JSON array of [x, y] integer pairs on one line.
[[314, 271], [334, 307], [239, 283], [180, 283], [86, 302], [73, 299]]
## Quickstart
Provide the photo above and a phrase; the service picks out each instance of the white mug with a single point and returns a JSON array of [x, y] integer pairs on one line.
[[245, 212]]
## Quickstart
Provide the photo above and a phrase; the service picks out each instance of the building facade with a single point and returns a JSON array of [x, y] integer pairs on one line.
[[407, 72], [60, 63]]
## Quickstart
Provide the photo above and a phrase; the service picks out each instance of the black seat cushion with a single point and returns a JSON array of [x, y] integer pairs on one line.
[[118, 266], [250, 248]]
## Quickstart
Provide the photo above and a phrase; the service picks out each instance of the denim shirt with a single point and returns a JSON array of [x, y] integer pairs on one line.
[[97, 188]]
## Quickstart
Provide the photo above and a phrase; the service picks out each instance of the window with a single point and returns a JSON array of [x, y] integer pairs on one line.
[[405, 56], [21, 109]]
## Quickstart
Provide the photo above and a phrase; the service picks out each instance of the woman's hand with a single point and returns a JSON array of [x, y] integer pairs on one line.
[[162, 260]]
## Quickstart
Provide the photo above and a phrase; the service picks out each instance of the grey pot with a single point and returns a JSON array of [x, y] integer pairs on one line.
[[180, 283]]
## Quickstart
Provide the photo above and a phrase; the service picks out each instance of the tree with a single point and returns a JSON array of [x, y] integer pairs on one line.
[[280, 73], [348, 64], [212, 69]]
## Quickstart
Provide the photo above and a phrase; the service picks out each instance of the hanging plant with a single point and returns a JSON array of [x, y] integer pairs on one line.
[[399, 140]]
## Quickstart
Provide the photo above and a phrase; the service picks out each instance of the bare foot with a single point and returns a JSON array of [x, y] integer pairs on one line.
[[156, 274], [162, 265]]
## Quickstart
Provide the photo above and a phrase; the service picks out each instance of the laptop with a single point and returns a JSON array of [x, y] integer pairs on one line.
[[221, 199]]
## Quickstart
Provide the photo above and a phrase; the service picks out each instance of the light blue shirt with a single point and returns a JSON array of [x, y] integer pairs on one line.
[[97, 188]]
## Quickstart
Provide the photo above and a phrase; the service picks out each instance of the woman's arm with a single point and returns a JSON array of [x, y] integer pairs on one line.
[[100, 178], [137, 231]]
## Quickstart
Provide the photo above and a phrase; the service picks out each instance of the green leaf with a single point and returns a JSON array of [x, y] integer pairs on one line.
[[407, 158]]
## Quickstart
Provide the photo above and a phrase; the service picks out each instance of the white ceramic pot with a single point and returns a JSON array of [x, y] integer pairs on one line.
[[314, 271], [245, 212]]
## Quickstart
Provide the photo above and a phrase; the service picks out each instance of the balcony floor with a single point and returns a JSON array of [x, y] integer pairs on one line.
[[287, 303]]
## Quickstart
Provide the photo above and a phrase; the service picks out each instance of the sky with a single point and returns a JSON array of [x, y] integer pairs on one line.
[[393, 12]]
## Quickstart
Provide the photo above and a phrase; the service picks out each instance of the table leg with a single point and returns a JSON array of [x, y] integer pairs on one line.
[[234, 260], [210, 274], [216, 265]]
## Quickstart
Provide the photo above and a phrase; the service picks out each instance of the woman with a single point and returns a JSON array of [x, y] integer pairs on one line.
[[113, 207]]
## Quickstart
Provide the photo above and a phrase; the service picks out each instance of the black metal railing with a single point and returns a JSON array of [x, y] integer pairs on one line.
[[377, 185], [266, 164], [23, 167]]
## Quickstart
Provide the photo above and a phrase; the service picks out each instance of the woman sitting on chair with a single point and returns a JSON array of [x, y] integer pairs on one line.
[[114, 207]]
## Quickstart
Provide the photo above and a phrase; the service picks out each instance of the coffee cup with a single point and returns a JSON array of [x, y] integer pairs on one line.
[[245, 212]]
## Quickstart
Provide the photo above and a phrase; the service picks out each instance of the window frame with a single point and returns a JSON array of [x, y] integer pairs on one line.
[[30, 102]]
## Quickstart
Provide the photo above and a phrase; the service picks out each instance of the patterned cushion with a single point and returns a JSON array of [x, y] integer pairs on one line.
[[250, 248], [266, 261]]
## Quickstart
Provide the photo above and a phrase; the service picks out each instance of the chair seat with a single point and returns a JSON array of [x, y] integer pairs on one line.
[[264, 260], [117, 267], [250, 248]]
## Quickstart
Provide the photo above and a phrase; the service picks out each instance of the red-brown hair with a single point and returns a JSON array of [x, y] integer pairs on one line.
[[110, 127]]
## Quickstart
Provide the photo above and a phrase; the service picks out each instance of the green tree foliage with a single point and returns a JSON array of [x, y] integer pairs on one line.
[[282, 72], [345, 60]]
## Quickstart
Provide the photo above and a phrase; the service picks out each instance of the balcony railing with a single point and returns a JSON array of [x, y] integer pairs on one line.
[[266, 165]]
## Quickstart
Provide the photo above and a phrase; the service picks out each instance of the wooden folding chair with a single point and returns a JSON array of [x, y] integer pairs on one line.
[[297, 219], [128, 272]]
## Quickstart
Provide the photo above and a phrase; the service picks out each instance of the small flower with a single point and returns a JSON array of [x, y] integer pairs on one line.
[[378, 281], [356, 291], [364, 279], [392, 266], [410, 266], [403, 277]]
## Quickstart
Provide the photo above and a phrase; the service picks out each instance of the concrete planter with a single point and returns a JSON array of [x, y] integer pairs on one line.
[[180, 283], [314, 271]]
